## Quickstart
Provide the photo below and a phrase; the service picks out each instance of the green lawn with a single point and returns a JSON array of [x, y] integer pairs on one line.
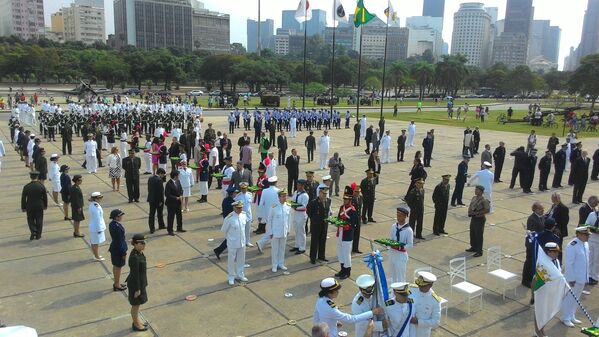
[[440, 118]]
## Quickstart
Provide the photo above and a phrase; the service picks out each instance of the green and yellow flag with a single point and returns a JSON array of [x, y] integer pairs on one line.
[[362, 16]]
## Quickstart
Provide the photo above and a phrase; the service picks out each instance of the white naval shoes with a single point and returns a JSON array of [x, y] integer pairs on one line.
[[98, 259], [249, 244], [274, 269], [231, 282], [568, 324], [576, 321], [283, 267], [243, 279]]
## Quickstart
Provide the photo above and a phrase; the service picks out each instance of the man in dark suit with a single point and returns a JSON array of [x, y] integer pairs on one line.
[[559, 162], [173, 193], [241, 142], [34, 201], [292, 165], [580, 169], [427, 144], [368, 138], [441, 201], [544, 168], [131, 165], [310, 144], [357, 134], [174, 152], [318, 210], [367, 186], [520, 166], [552, 143], [240, 175], [460, 180], [587, 208], [536, 221], [574, 155], [282, 146], [595, 170], [498, 159], [66, 133], [156, 199], [561, 214], [401, 145]]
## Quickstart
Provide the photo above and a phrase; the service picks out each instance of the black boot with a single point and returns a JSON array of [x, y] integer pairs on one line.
[[341, 272], [346, 273]]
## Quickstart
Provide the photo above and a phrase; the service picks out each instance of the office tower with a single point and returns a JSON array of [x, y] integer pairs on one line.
[[289, 21], [511, 47], [472, 34], [589, 41], [434, 8], [317, 24], [267, 29], [544, 41], [22, 18], [82, 22], [211, 30], [425, 34]]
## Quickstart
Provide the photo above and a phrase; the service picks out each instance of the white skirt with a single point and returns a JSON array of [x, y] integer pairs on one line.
[[186, 191], [96, 238], [56, 186], [203, 188]]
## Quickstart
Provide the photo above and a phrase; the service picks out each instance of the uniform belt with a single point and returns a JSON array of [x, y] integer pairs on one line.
[[226, 182], [300, 210], [402, 250]]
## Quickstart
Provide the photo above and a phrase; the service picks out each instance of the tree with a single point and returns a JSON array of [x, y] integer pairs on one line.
[[111, 69], [521, 79], [397, 75], [557, 80], [423, 74], [450, 73], [584, 79], [237, 49]]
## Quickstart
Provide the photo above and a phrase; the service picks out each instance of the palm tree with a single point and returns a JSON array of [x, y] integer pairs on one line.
[[451, 73], [423, 74], [398, 74]]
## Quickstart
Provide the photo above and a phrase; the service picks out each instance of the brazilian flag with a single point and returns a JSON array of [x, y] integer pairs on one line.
[[362, 16]]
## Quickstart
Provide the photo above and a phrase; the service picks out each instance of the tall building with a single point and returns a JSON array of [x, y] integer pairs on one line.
[[22, 18], [267, 29], [289, 21], [317, 24], [150, 24], [589, 41], [434, 8], [544, 41], [424, 34], [511, 47], [90, 3], [472, 34], [81, 22], [211, 30], [425, 21]]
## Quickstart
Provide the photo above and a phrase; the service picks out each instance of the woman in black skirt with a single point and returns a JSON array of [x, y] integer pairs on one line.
[[137, 280], [77, 205], [65, 190], [118, 248]]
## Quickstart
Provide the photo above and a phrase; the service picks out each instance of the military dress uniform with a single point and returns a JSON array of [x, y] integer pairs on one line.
[[299, 219], [441, 201], [34, 201], [364, 301], [137, 279], [398, 313], [278, 227], [97, 226], [367, 186], [318, 210], [398, 257], [576, 269], [234, 229], [427, 307], [345, 237], [415, 200]]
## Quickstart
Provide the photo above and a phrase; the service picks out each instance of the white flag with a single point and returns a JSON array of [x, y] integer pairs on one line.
[[303, 12], [339, 11], [550, 288], [391, 14]]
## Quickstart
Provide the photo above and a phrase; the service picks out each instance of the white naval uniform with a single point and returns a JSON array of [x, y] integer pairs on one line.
[[593, 247], [299, 219], [186, 179], [3, 152], [159, 131], [123, 145], [360, 305], [484, 178], [269, 197], [293, 127], [398, 259], [576, 269], [148, 157], [411, 134], [278, 227], [54, 176], [326, 311], [246, 198], [234, 230], [324, 145], [363, 127], [427, 309], [91, 162], [386, 147], [271, 169], [30, 145], [397, 314], [97, 226]]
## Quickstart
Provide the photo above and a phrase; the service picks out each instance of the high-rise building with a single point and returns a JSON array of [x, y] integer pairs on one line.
[[150, 24], [80, 22], [211, 30], [317, 24], [289, 21], [267, 29], [344, 37], [90, 3], [424, 34], [472, 34], [425, 22], [22, 18], [544, 41], [511, 47], [434, 8], [589, 41]]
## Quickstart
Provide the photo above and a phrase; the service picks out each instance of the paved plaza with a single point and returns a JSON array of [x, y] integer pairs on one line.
[[54, 285]]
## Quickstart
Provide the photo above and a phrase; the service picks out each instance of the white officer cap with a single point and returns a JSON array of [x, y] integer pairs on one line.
[[273, 179], [365, 281], [237, 203], [402, 287], [582, 229], [53, 155], [329, 283], [96, 194], [551, 246], [327, 177], [425, 278], [487, 164]]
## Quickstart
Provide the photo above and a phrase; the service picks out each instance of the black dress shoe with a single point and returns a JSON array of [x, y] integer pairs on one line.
[[152, 231], [138, 329], [32, 237], [171, 233], [313, 261], [216, 253], [592, 281], [323, 260], [437, 234], [364, 220], [356, 251], [461, 204], [299, 252], [371, 220], [443, 232], [75, 235], [293, 249], [470, 250], [121, 288], [161, 227], [477, 254], [181, 231], [420, 237], [67, 218], [453, 205]]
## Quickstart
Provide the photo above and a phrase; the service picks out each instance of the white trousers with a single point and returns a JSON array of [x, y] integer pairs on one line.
[[569, 304], [410, 139], [264, 240], [203, 187], [385, 156], [278, 252], [324, 158], [398, 263], [248, 230], [235, 262], [344, 251], [299, 223], [594, 257], [293, 131], [104, 142], [148, 162], [91, 163]]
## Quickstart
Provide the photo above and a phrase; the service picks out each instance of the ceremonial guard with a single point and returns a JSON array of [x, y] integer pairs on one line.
[[234, 230], [345, 235], [415, 200], [324, 145], [367, 186], [364, 301], [278, 229], [131, 165], [398, 256], [441, 201], [401, 145], [204, 173], [427, 306], [400, 310], [326, 310], [300, 216], [576, 272], [357, 201], [318, 210], [227, 171], [34, 201]]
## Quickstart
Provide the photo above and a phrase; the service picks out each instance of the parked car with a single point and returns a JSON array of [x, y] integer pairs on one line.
[[215, 93], [196, 92], [132, 92]]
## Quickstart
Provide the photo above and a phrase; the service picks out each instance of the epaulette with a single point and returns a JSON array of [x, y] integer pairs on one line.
[[435, 296], [389, 302], [229, 215], [413, 285], [97, 205], [573, 242], [274, 205], [331, 304], [360, 300]]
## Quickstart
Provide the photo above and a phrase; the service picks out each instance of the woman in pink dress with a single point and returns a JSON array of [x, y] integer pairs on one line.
[[155, 155]]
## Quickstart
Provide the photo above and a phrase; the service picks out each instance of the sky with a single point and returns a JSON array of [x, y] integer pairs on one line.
[[567, 15]]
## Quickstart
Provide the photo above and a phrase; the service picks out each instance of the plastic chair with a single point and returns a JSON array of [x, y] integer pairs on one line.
[[494, 269], [457, 269]]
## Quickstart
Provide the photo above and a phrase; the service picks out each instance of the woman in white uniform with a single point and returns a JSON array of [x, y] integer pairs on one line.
[[186, 180], [97, 226], [54, 176]]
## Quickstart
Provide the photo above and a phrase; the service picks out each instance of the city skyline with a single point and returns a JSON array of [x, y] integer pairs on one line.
[[569, 18]]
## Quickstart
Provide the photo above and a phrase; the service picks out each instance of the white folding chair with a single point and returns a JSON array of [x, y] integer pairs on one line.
[[457, 269], [444, 303], [501, 275]]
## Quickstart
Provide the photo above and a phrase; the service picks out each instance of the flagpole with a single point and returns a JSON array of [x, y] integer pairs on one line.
[[333, 62], [259, 37], [359, 74], [385, 57], [305, 39]]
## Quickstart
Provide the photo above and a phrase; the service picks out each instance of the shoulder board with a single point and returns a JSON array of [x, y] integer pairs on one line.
[[331, 304], [389, 302], [274, 205], [360, 300], [229, 215], [96, 204], [435, 296], [573, 242], [413, 285]]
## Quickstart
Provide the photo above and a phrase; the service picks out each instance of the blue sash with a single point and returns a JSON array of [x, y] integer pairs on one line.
[[405, 324], [374, 261]]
